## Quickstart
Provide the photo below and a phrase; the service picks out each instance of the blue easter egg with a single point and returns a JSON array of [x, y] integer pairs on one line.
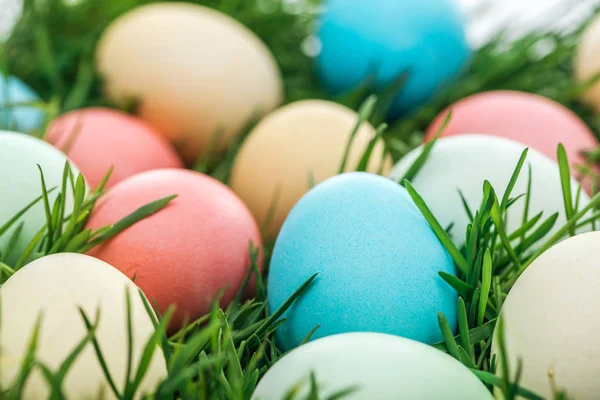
[[377, 258], [387, 38], [14, 117]]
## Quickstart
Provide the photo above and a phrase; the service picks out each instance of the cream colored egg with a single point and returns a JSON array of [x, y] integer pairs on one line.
[[57, 286], [295, 144], [196, 72], [587, 61], [551, 320]]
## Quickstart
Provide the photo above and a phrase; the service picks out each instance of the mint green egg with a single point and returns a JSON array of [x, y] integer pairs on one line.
[[20, 184]]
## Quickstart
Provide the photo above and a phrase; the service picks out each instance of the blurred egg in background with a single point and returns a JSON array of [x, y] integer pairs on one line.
[[388, 38], [377, 366], [185, 253], [98, 138], [299, 143], [587, 62], [464, 162], [195, 71], [377, 258], [15, 114]]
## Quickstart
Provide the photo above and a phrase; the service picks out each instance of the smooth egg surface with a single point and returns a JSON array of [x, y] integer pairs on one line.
[[586, 63], [377, 259], [378, 366], [13, 114], [196, 72], [463, 163], [185, 253], [98, 138], [301, 142], [20, 185], [551, 320], [55, 288], [384, 40]]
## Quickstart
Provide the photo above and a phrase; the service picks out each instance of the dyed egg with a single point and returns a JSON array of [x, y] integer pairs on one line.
[[551, 322], [185, 253], [377, 258], [360, 39], [587, 62], [196, 72], [300, 142], [20, 183], [464, 162], [535, 121], [98, 138], [379, 366], [13, 114], [57, 287]]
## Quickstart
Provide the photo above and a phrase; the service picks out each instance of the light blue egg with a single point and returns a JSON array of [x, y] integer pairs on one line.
[[377, 258], [18, 118], [423, 37]]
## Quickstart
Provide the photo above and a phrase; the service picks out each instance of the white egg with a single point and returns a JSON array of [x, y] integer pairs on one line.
[[464, 162], [57, 286], [551, 320], [379, 366], [197, 72]]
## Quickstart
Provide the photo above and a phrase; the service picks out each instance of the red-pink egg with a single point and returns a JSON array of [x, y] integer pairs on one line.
[[533, 120], [185, 253], [98, 138]]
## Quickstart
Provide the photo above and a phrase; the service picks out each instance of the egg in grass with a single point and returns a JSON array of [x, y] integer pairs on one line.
[[15, 113]]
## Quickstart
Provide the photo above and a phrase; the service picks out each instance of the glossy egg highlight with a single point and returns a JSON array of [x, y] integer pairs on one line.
[[385, 39], [196, 72], [377, 366], [185, 253], [464, 162], [13, 114], [98, 138], [551, 323], [293, 145], [377, 259], [57, 287]]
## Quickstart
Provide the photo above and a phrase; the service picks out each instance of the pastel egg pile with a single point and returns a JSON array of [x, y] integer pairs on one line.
[[200, 79]]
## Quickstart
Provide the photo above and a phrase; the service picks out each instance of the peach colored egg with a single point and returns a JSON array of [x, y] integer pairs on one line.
[[185, 253], [533, 120], [586, 63], [98, 138]]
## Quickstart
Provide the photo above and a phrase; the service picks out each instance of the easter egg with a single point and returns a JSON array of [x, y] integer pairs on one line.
[[55, 288], [587, 62], [377, 258], [14, 115], [20, 184], [185, 253], [295, 144], [196, 72], [98, 138], [551, 323], [535, 121], [378, 366], [464, 162], [360, 39]]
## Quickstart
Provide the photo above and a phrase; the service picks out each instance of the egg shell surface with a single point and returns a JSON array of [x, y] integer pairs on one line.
[[586, 64], [379, 366], [58, 286], [20, 184], [302, 140], [535, 121], [196, 72], [18, 117], [186, 252], [464, 162], [377, 258], [551, 319], [388, 38], [98, 138]]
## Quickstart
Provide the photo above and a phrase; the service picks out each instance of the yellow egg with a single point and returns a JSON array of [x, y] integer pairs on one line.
[[587, 62], [299, 143], [195, 71], [57, 286]]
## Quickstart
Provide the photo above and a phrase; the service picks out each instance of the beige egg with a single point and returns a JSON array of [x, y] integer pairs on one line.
[[295, 144], [57, 286], [587, 61], [196, 72]]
